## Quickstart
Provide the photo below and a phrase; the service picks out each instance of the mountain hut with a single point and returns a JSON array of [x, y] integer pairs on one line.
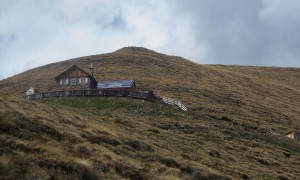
[[76, 78]]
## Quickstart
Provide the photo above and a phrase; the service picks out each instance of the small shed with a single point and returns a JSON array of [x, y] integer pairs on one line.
[[30, 91], [76, 78], [293, 135], [116, 84]]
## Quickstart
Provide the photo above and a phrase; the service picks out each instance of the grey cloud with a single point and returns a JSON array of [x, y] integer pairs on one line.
[[281, 22], [246, 32]]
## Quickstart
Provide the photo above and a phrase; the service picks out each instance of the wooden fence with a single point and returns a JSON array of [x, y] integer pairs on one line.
[[131, 93], [174, 102]]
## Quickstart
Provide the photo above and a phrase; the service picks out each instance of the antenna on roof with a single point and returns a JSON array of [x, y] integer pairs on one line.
[[92, 69]]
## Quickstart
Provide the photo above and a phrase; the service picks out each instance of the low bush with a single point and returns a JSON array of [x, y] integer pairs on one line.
[[139, 145], [94, 139]]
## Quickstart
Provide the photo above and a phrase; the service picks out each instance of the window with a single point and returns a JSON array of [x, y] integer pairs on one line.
[[73, 82], [79, 81], [86, 80], [61, 82], [67, 82]]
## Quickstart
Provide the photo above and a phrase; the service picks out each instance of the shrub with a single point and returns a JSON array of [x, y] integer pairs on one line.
[[140, 146], [101, 139]]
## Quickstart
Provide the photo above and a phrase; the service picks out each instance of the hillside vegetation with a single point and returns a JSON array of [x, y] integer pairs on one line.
[[225, 135]]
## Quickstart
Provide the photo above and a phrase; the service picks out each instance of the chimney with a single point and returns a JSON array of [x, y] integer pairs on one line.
[[92, 69]]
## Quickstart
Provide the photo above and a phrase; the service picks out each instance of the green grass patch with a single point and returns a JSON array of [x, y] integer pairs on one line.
[[92, 102], [115, 103]]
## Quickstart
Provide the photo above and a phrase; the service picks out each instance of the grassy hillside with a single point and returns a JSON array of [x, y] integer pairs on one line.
[[118, 137], [225, 135]]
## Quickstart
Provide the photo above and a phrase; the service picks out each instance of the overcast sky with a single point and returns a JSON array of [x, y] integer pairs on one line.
[[242, 32]]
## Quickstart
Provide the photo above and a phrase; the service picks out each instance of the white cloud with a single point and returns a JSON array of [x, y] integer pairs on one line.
[[256, 32]]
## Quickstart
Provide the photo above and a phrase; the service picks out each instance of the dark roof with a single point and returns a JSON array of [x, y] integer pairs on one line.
[[116, 84], [73, 66]]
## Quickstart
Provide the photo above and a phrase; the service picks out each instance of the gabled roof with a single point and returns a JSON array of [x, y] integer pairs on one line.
[[31, 89], [72, 67], [290, 132], [116, 84]]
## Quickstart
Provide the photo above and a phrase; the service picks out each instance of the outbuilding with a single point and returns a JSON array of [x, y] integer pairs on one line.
[[75, 78], [30, 91], [293, 135]]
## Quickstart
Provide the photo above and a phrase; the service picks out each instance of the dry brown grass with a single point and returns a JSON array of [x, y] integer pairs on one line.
[[226, 133]]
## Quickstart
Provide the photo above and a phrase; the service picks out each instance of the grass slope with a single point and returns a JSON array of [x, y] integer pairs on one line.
[[225, 135], [118, 137]]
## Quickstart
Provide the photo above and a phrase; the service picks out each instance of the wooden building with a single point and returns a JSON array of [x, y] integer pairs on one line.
[[75, 78], [293, 135]]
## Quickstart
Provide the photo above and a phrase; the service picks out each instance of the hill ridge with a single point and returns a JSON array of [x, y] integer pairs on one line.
[[225, 135]]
